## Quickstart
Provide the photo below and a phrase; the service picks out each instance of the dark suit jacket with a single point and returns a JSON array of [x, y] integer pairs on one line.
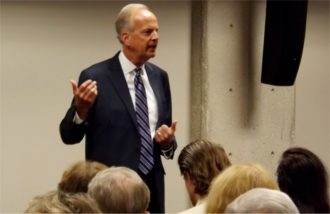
[[111, 130]]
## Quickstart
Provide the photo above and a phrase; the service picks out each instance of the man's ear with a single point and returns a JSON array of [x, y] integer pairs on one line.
[[124, 38], [187, 178]]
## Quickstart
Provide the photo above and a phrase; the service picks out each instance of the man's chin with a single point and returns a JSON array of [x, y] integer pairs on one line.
[[151, 52], [151, 55]]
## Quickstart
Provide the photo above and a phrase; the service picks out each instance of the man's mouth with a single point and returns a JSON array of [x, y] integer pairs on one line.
[[152, 46]]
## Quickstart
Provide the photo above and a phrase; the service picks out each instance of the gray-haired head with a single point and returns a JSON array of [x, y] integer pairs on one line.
[[262, 200], [125, 17], [119, 190]]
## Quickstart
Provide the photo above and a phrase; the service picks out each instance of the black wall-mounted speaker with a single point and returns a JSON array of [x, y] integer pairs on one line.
[[284, 40]]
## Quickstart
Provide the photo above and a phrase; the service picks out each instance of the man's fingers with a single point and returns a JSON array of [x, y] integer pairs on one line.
[[90, 91], [164, 129], [85, 84], [85, 94], [86, 91], [83, 87], [91, 94]]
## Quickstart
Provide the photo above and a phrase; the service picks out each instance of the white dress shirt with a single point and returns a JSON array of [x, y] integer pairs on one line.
[[128, 68]]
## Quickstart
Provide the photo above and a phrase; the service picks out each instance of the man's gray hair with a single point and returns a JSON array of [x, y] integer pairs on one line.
[[124, 18], [119, 190], [262, 200]]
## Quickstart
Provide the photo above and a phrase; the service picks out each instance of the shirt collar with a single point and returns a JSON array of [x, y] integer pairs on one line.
[[201, 200], [127, 65]]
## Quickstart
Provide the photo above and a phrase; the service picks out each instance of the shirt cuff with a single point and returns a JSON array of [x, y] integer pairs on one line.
[[77, 120], [167, 152]]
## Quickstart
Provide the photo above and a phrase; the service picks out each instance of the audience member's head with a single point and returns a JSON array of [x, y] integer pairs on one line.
[[302, 175], [77, 177], [120, 190], [47, 203], [262, 200], [234, 181], [199, 162], [79, 202], [61, 202]]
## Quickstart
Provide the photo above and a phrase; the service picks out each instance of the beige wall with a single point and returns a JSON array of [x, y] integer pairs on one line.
[[44, 44], [312, 88]]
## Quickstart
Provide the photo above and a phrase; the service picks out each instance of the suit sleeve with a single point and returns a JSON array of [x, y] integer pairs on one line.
[[168, 152], [71, 132]]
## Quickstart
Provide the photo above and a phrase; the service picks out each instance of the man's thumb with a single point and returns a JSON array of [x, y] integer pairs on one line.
[[173, 126], [74, 86]]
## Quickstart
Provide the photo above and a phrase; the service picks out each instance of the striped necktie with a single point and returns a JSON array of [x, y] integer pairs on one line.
[[142, 116]]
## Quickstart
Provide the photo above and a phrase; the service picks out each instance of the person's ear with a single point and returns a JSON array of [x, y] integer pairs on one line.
[[187, 178], [125, 37]]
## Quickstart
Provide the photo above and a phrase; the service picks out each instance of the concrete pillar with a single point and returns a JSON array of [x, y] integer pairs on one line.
[[253, 121]]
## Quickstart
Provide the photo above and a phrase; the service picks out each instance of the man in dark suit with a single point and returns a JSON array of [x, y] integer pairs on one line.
[[106, 106]]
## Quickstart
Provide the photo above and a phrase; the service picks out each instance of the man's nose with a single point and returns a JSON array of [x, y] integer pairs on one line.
[[155, 35]]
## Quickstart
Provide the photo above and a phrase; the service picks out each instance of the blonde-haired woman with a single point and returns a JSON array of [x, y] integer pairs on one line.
[[234, 181]]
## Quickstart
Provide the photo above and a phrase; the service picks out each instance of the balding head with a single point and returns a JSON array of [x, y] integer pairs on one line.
[[262, 200]]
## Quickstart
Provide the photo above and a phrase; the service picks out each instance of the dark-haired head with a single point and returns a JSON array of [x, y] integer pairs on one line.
[[302, 175]]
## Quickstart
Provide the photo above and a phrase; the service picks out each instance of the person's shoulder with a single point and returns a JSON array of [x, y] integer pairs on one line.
[[152, 66], [101, 66]]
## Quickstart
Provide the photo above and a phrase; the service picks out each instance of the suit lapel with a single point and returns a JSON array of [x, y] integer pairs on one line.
[[116, 76]]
